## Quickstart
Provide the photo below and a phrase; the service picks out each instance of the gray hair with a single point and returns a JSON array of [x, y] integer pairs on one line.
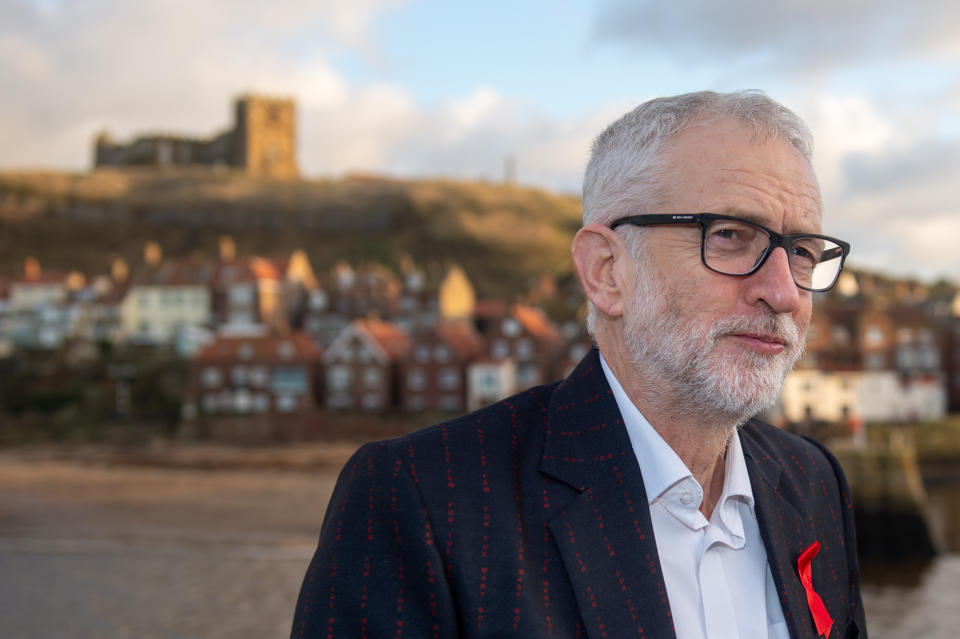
[[626, 176], [625, 168]]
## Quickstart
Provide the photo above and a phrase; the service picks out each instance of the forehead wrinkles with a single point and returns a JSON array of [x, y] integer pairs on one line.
[[778, 191]]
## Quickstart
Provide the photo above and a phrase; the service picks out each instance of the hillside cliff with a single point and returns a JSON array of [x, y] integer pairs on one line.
[[505, 236]]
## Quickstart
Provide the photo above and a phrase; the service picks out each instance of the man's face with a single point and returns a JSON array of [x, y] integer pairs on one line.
[[723, 343]]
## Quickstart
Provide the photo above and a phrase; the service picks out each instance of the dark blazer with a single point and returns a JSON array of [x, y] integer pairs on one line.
[[529, 519]]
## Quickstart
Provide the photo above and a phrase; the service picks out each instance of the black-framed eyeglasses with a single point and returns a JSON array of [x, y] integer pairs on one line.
[[731, 245]]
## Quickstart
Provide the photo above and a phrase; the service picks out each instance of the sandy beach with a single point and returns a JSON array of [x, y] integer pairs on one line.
[[91, 546]]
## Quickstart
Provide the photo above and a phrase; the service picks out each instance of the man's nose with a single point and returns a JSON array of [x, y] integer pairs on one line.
[[773, 284]]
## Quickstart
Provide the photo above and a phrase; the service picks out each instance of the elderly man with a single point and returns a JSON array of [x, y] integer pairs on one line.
[[637, 498]]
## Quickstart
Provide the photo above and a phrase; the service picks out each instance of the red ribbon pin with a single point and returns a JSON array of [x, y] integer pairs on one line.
[[819, 612]]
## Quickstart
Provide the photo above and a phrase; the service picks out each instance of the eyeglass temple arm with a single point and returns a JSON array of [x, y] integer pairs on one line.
[[831, 254]]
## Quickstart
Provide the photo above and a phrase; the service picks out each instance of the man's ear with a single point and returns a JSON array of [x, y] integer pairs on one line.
[[596, 250]]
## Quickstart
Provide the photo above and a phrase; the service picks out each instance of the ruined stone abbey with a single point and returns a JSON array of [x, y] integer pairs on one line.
[[262, 142]]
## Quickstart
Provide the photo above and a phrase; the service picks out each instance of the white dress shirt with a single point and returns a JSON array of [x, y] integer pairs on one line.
[[716, 573]]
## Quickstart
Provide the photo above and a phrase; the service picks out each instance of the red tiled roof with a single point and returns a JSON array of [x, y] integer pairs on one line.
[[536, 322], [265, 269], [461, 337], [490, 308], [391, 338]]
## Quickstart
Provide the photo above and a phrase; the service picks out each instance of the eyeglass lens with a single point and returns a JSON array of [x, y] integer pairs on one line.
[[735, 248]]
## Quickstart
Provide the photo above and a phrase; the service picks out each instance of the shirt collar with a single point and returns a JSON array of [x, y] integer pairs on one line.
[[660, 466]]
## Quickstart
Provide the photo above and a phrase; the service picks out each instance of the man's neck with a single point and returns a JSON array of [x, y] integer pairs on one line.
[[700, 440]]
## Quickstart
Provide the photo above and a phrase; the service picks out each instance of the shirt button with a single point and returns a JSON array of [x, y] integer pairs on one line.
[[686, 499]]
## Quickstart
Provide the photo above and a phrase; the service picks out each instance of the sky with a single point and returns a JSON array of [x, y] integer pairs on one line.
[[445, 88]]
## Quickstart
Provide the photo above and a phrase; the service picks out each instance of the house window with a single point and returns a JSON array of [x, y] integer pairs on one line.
[[416, 379], [240, 295], [245, 351], [873, 336], [242, 401], [422, 353], [510, 327], [371, 377], [318, 300], [840, 335], [450, 402], [449, 378], [371, 401], [499, 349], [578, 351], [441, 353], [528, 375], [212, 377], [338, 377], [524, 348], [261, 403], [490, 381], [238, 375], [290, 379], [257, 376], [415, 403], [286, 403]]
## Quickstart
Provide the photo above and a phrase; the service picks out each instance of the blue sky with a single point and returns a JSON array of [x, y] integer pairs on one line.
[[431, 88]]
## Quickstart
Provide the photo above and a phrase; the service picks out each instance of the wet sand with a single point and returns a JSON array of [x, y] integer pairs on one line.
[[89, 548]]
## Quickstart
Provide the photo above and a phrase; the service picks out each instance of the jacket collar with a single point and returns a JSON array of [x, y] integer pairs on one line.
[[605, 535]]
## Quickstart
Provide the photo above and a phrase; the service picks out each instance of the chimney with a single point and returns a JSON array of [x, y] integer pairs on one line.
[[31, 268]]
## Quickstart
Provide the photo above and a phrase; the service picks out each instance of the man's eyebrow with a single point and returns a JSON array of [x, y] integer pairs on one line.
[[745, 215], [759, 219]]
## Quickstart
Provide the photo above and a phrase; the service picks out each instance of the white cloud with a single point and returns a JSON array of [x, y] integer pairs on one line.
[[69, 69], [781, 35], [844, 125]]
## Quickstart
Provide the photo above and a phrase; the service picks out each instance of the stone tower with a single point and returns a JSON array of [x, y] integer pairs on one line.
[[265, 136]]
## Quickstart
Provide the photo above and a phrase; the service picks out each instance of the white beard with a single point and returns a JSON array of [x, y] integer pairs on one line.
[[660, 338]]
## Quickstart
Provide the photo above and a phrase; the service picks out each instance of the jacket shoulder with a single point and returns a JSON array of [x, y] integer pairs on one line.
[[520, 412]]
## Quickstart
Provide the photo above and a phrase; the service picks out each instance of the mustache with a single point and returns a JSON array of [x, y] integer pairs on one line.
[[779, 326]]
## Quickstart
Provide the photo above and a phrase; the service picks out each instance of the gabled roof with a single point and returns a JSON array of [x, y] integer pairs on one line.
[[394, 341], [536, 322], [461, 338], [264, 269], [388, 342]]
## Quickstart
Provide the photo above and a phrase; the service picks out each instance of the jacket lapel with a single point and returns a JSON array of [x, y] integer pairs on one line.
[[785, 532], [604, 534]]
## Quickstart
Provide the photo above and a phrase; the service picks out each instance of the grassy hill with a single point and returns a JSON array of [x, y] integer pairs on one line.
[[503, 235]]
